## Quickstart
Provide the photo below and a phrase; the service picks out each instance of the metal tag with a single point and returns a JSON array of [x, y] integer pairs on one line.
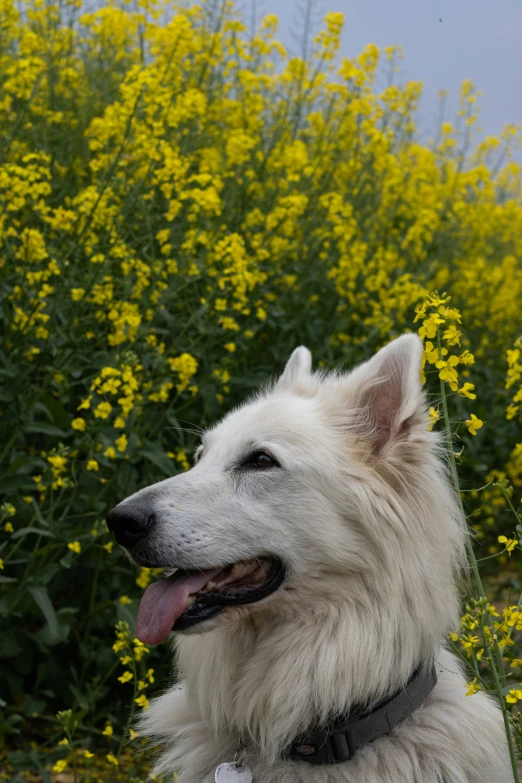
[[233, 772]]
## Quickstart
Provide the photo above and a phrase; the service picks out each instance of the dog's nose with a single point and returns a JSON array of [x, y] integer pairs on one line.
[[130, 522]]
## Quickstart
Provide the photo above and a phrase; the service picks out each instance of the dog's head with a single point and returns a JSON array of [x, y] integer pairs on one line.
[[323, 489]]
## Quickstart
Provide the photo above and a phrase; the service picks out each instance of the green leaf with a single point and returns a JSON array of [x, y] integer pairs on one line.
[[10, 484], [59, 415], [44, 574], [24, 531], [41, 598], [160, 459], [46, 429], [6, 579], [9, 647], [38, 513], [67, 559]]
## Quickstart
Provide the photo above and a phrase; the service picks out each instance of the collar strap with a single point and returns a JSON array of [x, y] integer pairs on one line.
[[338, 742]]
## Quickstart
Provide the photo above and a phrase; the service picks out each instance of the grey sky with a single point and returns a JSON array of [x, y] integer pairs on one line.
[[476, 39]]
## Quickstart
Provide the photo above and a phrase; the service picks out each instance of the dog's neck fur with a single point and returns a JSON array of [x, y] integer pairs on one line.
[[241, 684]]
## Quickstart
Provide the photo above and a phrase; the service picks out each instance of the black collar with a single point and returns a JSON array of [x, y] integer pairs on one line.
[[339, 741]]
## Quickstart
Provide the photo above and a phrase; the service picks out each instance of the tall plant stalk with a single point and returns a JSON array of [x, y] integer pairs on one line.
[[495, 655]]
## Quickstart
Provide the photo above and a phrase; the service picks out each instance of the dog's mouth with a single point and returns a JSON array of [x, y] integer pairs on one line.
[[190, 597]]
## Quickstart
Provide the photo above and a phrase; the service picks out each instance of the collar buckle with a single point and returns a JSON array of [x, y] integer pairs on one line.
[[323, 747]]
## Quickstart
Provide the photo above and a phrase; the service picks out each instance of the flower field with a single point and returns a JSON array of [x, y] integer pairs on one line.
[[182, 202]]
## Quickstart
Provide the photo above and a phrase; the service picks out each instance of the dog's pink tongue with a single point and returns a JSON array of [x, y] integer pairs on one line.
[[163, 602]]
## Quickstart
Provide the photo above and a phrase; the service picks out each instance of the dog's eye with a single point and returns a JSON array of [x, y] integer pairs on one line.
[[261, 460]]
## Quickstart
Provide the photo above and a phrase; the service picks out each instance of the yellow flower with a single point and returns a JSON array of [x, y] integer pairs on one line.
[[77, 294], [92, 465], [447, 371], [125, 677], [231, 347], [473, 687], [429, 326], [8, 527], [133, 734], [434, 417], [454, 636], [103, 410], [227, 322], [108, 731], [112, 759], [85, 404], [466, 391], [110, 452], [142, 702], [473, 424], [64, 741], [109, 546], [144, 578], [75, 546], [119, 423], [469, 640], [78, 424], [514, 695], [139, 649], [8, 509], [452, 335], [186, 367], [509, 543], [261, 313], [466, 358], [88, 754], [125, 600], [121, 442], [60, 765]]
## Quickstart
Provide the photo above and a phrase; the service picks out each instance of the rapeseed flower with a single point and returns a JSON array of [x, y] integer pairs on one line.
[[509, 543], [473, 424], [473, 687]]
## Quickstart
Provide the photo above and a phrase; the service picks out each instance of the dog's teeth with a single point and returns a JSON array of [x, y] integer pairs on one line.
[[190, 600]]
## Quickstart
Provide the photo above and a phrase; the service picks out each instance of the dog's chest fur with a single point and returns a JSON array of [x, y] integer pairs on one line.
[[452, 737]]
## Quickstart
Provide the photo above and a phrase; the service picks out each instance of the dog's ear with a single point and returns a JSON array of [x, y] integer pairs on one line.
[[389, 400], [298, 368]]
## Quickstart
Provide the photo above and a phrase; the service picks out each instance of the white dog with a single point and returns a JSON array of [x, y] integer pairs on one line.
[[317, 542]]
